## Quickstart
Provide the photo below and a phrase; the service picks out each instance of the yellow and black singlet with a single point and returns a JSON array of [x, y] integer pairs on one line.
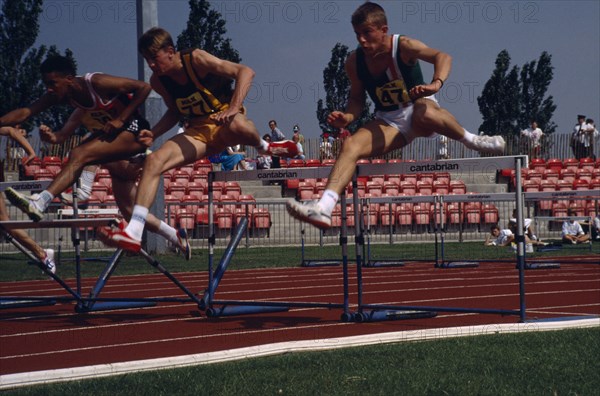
[[198, 97]]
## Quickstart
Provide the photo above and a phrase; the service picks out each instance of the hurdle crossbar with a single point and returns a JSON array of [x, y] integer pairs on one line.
[[27, 185]]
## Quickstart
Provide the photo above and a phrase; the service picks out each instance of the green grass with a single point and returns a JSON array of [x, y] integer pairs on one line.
[[14, 266], [545, 363]]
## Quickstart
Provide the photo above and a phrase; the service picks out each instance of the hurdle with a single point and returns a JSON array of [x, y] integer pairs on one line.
[[217, 308], [377, 312], [6, 226]]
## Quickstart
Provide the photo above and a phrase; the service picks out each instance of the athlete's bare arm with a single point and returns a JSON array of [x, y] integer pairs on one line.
[[356, 97], [18, 116], [205, 63], [167, 121], [67, 130], [412, 50]]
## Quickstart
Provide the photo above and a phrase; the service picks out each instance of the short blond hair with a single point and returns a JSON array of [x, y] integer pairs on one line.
[[154, 40], [369, 13]]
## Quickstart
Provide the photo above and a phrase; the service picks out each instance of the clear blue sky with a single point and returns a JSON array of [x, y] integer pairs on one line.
[[288, 44]]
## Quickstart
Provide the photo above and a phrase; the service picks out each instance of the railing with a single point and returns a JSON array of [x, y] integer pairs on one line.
[[553, 146]]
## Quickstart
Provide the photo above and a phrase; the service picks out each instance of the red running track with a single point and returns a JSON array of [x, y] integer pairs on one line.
[[53, 337]]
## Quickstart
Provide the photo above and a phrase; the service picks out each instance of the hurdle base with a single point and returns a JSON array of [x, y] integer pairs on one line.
[[458, 264], [23, 303], [548, 265], [234, 310], [320, 263], [378, 316], [384, 263], [113, 305]]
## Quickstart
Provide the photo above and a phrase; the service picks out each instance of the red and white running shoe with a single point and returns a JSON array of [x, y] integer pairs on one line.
[[284, 148], [115, 236]]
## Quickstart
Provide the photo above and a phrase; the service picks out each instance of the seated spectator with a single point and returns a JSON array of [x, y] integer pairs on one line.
[[233, 158], [572, 232], [296, 139], [596, 227], [527, 225], [264, 161], [498, 237]]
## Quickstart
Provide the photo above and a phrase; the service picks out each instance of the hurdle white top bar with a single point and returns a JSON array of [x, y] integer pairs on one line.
[[274, 174], [463, 166], [88, 212], [446, 198], [589, 194], [24, 224], [26, 185]]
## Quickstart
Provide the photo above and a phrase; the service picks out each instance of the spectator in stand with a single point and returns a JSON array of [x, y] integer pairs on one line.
[[576, 137], [296, 131], [264, 161], [442, 148], [325, 147], [276, 136], [590, 135], [296, 139], [17, 136], [532, 140], [233, 158], [572, 232]]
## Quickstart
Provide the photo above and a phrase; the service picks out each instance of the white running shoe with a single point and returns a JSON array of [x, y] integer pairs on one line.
[[67, 198], [309, 212], [24, 203], [49, 260], [487, 144]]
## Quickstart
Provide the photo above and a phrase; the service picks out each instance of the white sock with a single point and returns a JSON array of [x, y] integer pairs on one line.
[[87, 181], [45, 197], [468, 138], [135, 228], [328, 201], [168, 232]]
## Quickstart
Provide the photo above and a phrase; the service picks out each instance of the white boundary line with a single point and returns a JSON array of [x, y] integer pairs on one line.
[[104, 370]]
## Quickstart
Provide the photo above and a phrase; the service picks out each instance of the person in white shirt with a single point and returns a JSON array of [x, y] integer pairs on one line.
[[498, 237], [572, 232], [590, 134], [533, 140]]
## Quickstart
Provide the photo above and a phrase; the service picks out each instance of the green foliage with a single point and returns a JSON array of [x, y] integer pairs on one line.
[[20, 82], [535, 79], [337, 88], [205, 30], [19, 75], [512, 97]]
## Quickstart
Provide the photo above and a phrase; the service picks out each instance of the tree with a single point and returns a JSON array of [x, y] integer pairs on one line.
[[535, 80], [206, 29], [511, 99], [337, 88], [20, 82], [499, 100], [19, 65]]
